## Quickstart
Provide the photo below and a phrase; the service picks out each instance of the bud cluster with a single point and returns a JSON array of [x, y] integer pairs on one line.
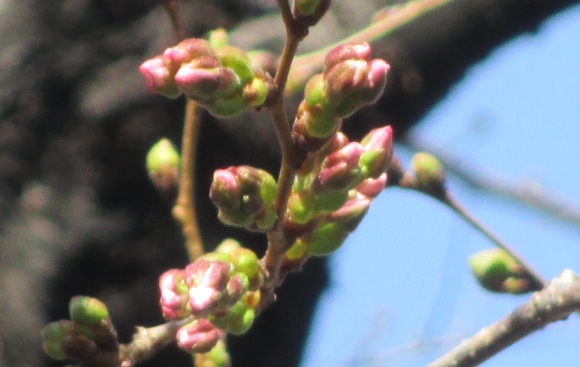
[[349, 81], [220, 289], [223, 78], [333, 191], [244, 196], [88, 332]]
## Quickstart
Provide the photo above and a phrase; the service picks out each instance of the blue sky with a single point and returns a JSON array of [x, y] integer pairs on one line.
[[401, 291]]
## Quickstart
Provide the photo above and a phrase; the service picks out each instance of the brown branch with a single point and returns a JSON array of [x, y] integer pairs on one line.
[[555, 302], [184, 210]]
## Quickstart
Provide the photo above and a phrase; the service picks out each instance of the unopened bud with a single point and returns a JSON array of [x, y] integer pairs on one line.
[[378, 145], [163, 165], [199, 336], [310, 11], [188, 50], [497, 271], [159, 75], [207, 281], [348, 51], [372, 187], [325, 239], [87, 311], [53, 335], [427, 169], [351, 213], [217, 357], [340, 170], [174, 294]]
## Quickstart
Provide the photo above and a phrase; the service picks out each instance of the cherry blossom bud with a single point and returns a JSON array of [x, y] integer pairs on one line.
[[341, 169], [207, 281], [378, 145], [351, 213], [174, 294], [352, 83], [427, 169], [372, 187], [497, 271], [87, 311], [159, 73], [349, 51], [245, 197], [188, 50], [199, 336], [205, 83]]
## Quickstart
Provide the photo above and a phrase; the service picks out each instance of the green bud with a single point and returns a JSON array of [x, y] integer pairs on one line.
[[297, 251], [255, 92], [325, 239], [498, 272], [307, 7], [217, 357], [246, 261], [229, 245], [53, 336], [331, 201], [218, 38], [240, 318], [87, 311], [427, 169], [162, 159], [227, 107], [237, 60], [314, 92], [301, 208], [217, 256]]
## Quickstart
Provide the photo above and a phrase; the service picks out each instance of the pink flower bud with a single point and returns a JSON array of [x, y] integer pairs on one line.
[[351, 51], [188, 50], [225, 192], [372, 187], [352, 83], [199, 336], [340, 169], [200, 84], [351, 213], [378, 145], [159, 73], [174, 295], [207, 280]]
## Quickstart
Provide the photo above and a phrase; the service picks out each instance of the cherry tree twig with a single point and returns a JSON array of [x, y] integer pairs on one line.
[[559, 299], [522, 191]]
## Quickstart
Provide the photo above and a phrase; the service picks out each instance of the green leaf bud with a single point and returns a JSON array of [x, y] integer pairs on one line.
[[163, 164], [87, 311], [427, 169], [498, 272], [325, 239], [228, 246]]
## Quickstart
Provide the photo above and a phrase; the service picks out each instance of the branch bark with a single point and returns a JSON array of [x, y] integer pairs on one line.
[[559, 299]]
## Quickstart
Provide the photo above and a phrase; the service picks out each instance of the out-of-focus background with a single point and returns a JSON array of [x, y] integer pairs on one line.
[[401, 292]]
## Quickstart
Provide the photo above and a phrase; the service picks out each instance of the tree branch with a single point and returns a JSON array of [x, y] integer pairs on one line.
[[555, 302]]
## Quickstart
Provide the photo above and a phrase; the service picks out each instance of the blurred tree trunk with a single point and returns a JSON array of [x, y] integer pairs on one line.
[[77, 212]]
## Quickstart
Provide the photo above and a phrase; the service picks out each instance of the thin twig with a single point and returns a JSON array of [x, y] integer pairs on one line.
[[148, 341], [184, 210], [538, 281], [555, 302], [172, 10], [277, 241], [523, 192]]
